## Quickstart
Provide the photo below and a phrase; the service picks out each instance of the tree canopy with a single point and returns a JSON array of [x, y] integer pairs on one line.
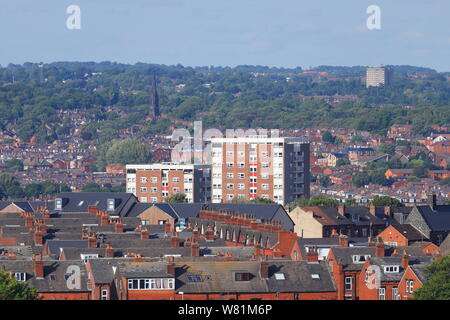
[[438, 285], [11, 289]]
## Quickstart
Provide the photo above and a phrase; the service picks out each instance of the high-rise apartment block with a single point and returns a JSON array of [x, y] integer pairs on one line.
[[157, 182], [377, 77], [259, 167]]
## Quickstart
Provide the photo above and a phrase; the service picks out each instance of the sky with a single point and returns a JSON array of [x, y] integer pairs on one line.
[[281, 33]]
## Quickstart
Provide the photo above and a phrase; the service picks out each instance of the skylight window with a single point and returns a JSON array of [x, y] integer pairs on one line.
[[80, 203], [194, 278], [315, 276], [280, 276]]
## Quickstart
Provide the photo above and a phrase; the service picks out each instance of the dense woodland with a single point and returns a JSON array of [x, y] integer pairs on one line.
[[31, 95]]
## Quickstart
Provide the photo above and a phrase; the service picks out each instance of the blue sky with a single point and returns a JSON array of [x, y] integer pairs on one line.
[[283, 33]]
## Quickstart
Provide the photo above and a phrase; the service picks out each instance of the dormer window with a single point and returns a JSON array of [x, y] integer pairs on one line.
[[391, 269], [58, 204], [20, 276], [111, 204], [360, 258], [280, 276], [355, 218], [86, 257], [241, 276]]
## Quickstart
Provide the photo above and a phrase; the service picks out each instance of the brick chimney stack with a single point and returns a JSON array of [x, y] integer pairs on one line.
[[12, 255], [38, 238], [92, 241], [175, 240], [104, 219], [432, 201], [109, 251], [28, 219], [144, 233], [209, 234], [170, 266], [379, 248], [312, 255], [405, 260], [195, 249], [167, 227], [388, 211], [264, 269], [118, 226], [372, 209], [38, 266], [343, 240]]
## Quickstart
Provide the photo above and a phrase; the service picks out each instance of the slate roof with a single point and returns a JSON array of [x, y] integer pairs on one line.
[[54, 246], [265, 212], [54, 274], [80, 201], [143, 270], [298, 277], [344, 255], [437, 220], [219, 277]]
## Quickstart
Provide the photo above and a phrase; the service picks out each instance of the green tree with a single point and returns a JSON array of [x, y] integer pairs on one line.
[[387, 148], [383, 201], [15, 164], [10, 187], [350, 202], [177, 198], [361, 179], [324, 180], [314, 201], [127, 151], [445, 182], [92, 187], [11, 289], [438, 285], [342, 162], [328, 137]]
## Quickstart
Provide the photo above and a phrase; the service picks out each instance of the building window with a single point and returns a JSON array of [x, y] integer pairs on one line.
[[20, 276], [241, 165], [229, 175], [111, 204], [176, 179], [242, 276], [154, 179], [230, 164], [409, 286], [348, 283], [230, 186], [58, 204], [241, 175], [395, 294], [143, 189], [104, 295], [151, 284], [241, 186], [265, 187], [144, 199], [391, 269], [143, 180], [382, 293]]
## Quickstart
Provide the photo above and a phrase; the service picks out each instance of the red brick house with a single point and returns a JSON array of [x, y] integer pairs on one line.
[[413, 279]]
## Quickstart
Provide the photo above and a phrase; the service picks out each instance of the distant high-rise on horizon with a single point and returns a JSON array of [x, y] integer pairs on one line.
[[379, 77], [154, 107]]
